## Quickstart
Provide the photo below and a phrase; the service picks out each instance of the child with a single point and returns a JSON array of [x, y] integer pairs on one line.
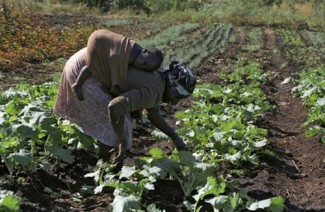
[[108, 58]]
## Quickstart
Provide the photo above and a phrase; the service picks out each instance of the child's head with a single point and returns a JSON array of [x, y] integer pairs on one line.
[[149, 59]]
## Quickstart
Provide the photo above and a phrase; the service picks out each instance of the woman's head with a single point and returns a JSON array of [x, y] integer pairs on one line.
[[149, 59], [180, 82]]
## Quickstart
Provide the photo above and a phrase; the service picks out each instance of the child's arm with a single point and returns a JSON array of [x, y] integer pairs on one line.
[[77, 86]]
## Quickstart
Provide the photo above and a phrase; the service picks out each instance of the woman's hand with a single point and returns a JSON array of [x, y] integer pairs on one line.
[[118, 161], [179, 143]]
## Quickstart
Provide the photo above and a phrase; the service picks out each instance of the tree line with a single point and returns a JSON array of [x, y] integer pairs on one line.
[[159, 6]]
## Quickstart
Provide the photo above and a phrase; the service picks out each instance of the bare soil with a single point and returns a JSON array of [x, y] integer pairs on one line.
[[297, 173]]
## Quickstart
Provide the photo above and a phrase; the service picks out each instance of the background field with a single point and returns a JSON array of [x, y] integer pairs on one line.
[[255, 123]]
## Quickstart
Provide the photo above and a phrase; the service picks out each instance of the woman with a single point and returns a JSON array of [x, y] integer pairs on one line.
[[106, 117], [107, 51]]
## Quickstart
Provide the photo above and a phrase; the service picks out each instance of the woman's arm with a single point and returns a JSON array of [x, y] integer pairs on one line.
[[159, 122]]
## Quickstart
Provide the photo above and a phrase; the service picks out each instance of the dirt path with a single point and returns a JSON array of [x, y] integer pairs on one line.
[[297, 171]]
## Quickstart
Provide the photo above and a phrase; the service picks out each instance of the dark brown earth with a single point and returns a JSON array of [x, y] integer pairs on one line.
[[297, 173]]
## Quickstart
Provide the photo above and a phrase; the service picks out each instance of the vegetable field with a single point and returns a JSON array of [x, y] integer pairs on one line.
[[254, 127]]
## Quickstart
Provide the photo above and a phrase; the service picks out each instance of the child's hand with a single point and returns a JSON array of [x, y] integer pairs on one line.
[[78, 91]]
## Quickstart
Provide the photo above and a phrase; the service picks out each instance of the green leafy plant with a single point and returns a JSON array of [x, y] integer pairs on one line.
[[254, 39], [192, 173], [311, 90], [30, 133], [221, 120], [291, 38], [8, 201]]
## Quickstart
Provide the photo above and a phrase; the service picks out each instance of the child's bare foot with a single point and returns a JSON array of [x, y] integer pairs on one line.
[[78, 91]]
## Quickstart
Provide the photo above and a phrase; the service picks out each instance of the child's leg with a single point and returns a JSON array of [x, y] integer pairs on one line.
[[77, 86]]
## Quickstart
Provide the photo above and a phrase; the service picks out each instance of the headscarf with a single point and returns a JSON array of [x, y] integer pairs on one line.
[[181, 79]]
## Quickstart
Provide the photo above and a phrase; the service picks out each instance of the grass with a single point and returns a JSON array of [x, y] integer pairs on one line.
[[317, 38], [254, 39], [236, 12], [172, 34], [191, 50], [290, 37], [49, 7]]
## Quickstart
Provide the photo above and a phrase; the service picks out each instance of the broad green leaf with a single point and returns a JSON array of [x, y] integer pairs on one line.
[[237, 142], [46, 122], [213, 186], [252, 158], [24, 131], [11, 108], [159, 135], [261, 143], [313, 131], [232, 158], [309, 92], [153, 172], [203, 166], [93, 174], [186, 158], [46, 166], [320, 102], [260, 205], [62, 154], [10, 142], [156, 153], [23, 157], [286, 81], [33, 117], [127, 172], [2, 119], [167, 164], [218, 135], [149, 186], [234, 200], [277, 204], [10, 163], [252, 108], [99, 189], [191, 134], [125, 204], [230, 124], [227, 91], [153, 208], [218, 202], [86, 141], [9, 203]]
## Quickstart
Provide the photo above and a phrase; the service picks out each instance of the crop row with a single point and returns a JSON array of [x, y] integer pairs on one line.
[[189, 43], [298, 52], [311, 88], [311, 82], [254, 39]]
